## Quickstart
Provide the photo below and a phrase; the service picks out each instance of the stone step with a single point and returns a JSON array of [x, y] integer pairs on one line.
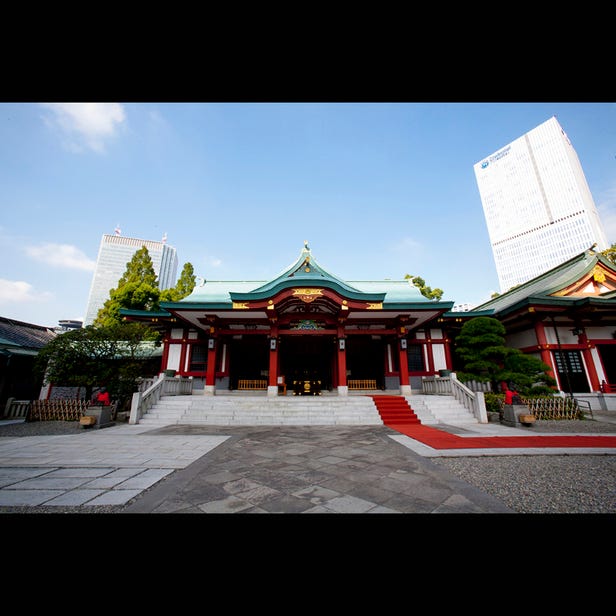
[[440, 409], [295, 410]]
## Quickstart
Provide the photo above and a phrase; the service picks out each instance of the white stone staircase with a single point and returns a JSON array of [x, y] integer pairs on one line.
[[246, 410], [249, 410], [443, 409]]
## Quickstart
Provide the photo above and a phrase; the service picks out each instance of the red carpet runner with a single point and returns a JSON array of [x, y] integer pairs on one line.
[[398, 415]]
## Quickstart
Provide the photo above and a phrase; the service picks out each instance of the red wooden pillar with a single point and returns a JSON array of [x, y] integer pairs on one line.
[[210, 375], [272, 380], [405, 387], [183, 353], [404, 362], [165, 358], [448, 360], [590, 364], [429, 354], [542, 343], [341, 351]]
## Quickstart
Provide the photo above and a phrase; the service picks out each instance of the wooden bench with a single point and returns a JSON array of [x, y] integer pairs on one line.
[[252, 384], [361, 383]]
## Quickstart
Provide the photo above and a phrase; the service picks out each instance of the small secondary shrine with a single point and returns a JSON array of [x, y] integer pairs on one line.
[[303, 333], [566, 317]]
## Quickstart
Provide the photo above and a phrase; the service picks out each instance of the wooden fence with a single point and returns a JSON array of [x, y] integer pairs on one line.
[[49, 410], [551, 408]]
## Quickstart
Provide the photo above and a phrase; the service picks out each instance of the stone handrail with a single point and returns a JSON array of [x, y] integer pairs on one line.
[[163, 386], [142, 401], [177, 386], [16, 409], [474, 401], [436, 385]]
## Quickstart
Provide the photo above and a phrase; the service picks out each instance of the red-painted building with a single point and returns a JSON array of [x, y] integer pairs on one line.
[[303, 332], [566, 317]]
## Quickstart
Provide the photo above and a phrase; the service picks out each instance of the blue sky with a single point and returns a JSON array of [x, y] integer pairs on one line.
[[379, 190]]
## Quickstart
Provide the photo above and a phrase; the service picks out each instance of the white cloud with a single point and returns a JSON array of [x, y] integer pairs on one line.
[[406, 246], [19, 291], [89, 124], [61, 255], [214, 262]]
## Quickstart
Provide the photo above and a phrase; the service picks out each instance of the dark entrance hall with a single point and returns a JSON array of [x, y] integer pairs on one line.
[[307, 357]]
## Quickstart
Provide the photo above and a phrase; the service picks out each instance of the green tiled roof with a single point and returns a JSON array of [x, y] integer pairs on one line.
[[541, 288], [218, 293]]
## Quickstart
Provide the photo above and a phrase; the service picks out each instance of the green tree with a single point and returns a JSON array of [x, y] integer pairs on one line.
[[481, 346], [89, 357], [425, 290], [183, 287], [610, 253], [137, 290]]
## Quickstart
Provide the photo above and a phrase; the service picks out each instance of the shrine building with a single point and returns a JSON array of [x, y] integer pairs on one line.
[[305, 332]]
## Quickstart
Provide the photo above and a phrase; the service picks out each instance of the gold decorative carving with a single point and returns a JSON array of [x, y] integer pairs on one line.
[[375, 306], [240, 305], [598, 274], [307, 295]]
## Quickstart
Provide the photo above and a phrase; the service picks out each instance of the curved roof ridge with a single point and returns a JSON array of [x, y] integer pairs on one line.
[[306, 267]]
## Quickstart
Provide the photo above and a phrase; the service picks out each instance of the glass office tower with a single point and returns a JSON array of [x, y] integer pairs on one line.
[[537, 204], [113, 255]]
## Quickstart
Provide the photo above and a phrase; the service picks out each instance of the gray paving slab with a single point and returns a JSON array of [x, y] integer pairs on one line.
[[20, 498], [147, 478], [50, 483], [80, 472], [74, 498], [114, 497], [9, 476]]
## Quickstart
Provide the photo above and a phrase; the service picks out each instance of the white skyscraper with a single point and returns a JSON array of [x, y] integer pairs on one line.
[[113, 255], [537, 204]]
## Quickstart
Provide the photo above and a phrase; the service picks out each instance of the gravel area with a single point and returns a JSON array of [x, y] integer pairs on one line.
[[546, 484], [527, 484]]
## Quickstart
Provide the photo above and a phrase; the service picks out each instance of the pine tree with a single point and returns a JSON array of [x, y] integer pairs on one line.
[[426, 291], [481, 346]]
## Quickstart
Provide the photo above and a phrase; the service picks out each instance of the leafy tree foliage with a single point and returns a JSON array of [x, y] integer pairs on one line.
[[610, 253], [89, 357], [425, 290], [183, 287], [481, 347], [137, 290]]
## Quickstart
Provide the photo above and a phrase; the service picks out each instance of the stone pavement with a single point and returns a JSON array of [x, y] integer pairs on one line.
[[97, 468], [240, 469]]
